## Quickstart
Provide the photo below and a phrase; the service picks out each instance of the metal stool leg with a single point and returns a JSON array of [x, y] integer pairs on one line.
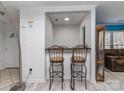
[[63, 71], [72, 83], [81, 72], [71, 78], [85, 76], [52, 73], [62, 75], [50, 76]]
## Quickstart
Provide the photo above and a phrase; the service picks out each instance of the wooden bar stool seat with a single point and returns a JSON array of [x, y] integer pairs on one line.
[[78, 59], [56, 59]]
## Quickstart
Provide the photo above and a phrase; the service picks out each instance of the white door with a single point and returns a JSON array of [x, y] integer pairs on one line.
[[12, 51]]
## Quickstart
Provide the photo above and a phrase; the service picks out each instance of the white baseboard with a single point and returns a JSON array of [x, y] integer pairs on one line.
[[92, 80], [66, 78], [35, 80]]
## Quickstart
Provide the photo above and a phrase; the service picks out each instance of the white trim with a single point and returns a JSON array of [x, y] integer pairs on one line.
[[64, 8], [92, 81], [93, 45], [65, 78], [35, 80]]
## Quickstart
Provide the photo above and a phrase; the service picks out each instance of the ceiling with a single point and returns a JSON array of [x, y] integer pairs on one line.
[[75, 17], [110, 12], [106, 12]]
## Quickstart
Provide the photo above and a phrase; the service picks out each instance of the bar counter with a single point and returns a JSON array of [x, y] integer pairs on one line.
[[67, 49]]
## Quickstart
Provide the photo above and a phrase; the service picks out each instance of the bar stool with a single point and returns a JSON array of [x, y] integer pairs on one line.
[[56, 69], [78, 59]]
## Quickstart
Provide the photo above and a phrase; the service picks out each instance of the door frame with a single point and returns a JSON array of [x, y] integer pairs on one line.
[[99, 29]]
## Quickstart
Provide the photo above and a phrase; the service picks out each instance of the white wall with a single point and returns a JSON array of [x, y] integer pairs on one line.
[[66, 35], [2, 45], [90, 40], [2, 63], [32, 41], [12, 53], [9, 47], [87, 23], [9, 54], [1, 51], [48, 32]]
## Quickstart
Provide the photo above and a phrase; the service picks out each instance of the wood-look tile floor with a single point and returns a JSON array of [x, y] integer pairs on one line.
[[114, 81], [8, 77]]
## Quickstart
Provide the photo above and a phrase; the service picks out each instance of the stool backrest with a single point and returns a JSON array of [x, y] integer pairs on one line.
[[80, 53], [55, 52]]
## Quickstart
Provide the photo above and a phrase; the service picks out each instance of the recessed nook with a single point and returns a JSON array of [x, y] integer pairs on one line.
[[66, 28]]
